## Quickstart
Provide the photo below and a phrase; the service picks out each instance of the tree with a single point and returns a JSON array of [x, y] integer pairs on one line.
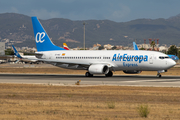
[[153, 44], [101, 47], [173, 50], [9, 52], [142, 48], [114, 47]]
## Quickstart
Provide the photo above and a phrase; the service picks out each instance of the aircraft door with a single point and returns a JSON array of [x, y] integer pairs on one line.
[[102, 58], [151, 59], [50, 55]]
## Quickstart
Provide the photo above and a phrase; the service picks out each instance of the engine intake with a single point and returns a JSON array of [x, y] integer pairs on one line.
[[98, 69]]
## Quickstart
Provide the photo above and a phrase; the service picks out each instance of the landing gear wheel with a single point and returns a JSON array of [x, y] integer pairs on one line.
[[87, 74], [159, 75], [109, 74]]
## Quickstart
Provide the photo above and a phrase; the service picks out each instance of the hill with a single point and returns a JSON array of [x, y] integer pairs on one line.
[[18, 29]]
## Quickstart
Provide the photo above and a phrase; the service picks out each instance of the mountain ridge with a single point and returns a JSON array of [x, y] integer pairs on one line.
[[18, 28]]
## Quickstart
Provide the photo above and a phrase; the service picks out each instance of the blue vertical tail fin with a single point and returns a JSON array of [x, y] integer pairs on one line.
[[135, 46], [16, 52], [43, 42]]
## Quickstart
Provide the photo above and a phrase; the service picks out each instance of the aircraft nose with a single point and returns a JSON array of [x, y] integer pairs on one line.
[[172, 63]]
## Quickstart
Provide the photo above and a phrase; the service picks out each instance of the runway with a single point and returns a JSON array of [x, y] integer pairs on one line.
[[119, 80]]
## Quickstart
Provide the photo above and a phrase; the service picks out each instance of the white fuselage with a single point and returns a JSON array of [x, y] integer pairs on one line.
[[29, 58], [115, 59]]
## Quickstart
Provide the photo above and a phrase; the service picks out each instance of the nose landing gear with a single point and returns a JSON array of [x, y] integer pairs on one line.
[[159, 72], [159, 75]]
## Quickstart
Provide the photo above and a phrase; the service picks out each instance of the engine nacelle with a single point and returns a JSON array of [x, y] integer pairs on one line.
[[132, 71], [98, 69]]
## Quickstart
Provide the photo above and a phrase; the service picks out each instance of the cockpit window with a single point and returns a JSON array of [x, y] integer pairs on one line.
[[163, 57]]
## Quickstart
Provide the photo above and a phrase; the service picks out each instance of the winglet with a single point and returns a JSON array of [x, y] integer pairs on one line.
[[43, 42], [135, 46], [16, 52]]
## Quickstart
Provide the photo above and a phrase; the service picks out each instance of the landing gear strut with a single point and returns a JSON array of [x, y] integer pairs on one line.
[[87, 74], [109, 74], [159, 72]]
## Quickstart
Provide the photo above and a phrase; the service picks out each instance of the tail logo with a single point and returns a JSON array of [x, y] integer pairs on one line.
[[39, 37]]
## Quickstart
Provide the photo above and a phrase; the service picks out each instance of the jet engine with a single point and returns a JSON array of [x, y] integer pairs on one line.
[[98, 69], [132, 71]]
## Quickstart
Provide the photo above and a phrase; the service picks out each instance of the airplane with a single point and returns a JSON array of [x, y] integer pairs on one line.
[[174, 57], [98, 62], [65, 46], [28, 58], [25, 58], [135, 46]]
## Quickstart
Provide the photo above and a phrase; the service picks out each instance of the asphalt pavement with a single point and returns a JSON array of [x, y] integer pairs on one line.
[[118, 80]]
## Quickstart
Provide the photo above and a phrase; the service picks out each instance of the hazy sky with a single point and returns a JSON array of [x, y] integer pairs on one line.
[[115, 10]]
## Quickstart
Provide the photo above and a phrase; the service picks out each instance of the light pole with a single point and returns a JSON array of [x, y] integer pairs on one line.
[[84, 34]]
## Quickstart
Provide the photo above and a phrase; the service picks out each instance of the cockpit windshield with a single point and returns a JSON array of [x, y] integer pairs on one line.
[[163, 57]]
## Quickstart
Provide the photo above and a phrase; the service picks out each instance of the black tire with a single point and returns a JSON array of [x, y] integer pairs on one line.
[[109, 74], [158, 75], [87, 74], [91, 75]]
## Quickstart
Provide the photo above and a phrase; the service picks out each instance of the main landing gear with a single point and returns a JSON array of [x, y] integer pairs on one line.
[[87, 74], [109, 74]]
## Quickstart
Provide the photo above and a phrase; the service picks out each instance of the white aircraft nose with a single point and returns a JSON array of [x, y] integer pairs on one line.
[[172, 63]]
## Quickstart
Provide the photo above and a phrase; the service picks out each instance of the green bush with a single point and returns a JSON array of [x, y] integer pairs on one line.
[[143, 110], [111, 105]]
